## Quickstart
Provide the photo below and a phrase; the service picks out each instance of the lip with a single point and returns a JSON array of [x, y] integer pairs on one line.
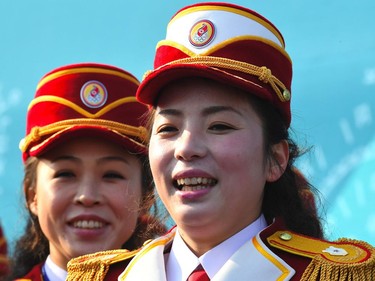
[[88, 223], [88, 227], [195, 193], [191, 174]]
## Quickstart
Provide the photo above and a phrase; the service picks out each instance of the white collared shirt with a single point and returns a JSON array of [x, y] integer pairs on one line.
[[54, 272], [182, 261]]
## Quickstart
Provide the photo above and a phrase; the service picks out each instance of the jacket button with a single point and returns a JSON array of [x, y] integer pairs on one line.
[[285, 236]]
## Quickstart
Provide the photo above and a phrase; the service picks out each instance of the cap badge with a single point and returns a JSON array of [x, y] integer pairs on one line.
[[93, 94], [202, 33]]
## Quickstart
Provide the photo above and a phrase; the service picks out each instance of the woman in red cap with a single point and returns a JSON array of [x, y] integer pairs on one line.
[[87, 183], [222, 160]]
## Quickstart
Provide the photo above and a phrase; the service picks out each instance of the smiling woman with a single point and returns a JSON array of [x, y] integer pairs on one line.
[[87, 184], [222, 159]]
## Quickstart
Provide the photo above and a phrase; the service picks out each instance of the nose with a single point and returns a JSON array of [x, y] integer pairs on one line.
[[88, 193], [189, 146]]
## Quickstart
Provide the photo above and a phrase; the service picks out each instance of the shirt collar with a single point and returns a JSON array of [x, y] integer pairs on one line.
[[182, 261], [53, 271]]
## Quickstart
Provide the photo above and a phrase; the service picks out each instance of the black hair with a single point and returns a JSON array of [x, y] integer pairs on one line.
[[291, 198]]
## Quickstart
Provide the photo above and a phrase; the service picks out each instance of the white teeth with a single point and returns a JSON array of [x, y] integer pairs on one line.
[[195, 181], [193, 188], [88, 224]]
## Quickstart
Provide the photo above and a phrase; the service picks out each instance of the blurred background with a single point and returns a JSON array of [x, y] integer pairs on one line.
[[331, 43]]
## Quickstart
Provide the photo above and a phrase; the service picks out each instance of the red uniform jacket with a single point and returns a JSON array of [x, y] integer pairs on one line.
[[273, 254], [34, 275]]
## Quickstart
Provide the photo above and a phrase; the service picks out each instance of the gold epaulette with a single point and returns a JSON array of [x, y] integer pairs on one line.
[[95, 266], [344, 259]]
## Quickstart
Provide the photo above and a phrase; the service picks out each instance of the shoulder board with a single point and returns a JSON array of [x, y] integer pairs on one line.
[[339, 259], [95, 266]]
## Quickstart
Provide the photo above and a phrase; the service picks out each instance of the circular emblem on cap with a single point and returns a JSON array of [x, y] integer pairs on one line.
[[202, 33], [93, 94]]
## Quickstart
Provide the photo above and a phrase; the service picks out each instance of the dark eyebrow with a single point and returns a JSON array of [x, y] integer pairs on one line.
[[101, 160], [65, 158], [114, 158], [169, 111], [207, 111], [219, 108]]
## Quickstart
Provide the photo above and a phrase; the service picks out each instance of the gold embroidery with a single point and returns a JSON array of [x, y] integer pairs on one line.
[[263, 73]]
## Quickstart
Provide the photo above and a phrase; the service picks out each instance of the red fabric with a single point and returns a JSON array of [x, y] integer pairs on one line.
[[250, 50], [66, 83], [34, 275], [198, 275], [261, 54], [298, 263], [115, 270]]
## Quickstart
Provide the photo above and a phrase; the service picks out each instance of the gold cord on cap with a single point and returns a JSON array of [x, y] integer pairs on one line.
[[38, 132], [264, 74]]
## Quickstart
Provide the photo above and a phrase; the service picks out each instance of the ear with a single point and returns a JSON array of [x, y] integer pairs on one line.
[[279, 161], [32, 201]]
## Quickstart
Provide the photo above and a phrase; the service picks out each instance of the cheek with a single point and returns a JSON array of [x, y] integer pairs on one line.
[[44, 199], [126, 201], [241, 154], [48, 196], [159, 155]]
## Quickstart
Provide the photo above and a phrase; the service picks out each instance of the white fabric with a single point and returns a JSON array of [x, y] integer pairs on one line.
[[182, 261], [53, 271], [252, 260], [227, 25]]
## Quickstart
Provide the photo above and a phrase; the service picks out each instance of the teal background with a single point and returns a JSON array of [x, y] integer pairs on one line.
[[332, 45]]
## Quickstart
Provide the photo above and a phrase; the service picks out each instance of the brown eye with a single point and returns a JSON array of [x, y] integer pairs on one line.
[[166, 129], [113, 175], [64, 174], [221, 127]]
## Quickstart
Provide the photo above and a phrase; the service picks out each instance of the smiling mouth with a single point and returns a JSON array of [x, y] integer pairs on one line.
[[193, 184], [88, 224]]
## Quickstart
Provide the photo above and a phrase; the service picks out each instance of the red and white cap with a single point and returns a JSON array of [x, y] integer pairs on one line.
[[227, 43], [86, 99]]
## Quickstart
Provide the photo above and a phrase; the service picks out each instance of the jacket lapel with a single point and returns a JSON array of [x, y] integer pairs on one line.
[[264, 265], [149, 264]]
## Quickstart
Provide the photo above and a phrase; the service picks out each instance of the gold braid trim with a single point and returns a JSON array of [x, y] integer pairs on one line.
[[322, 269], [95, 266], [90, 69], [77, 108], [263, 73], [37, 133]]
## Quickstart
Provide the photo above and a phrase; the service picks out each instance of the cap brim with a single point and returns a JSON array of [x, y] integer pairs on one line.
[[54, 140], [153, 83]]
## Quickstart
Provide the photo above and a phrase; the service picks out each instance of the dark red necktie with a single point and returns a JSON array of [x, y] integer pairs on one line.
[[198, 275]]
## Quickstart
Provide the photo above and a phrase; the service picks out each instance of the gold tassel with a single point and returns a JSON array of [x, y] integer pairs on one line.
[[95, 266], [321, 268]]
